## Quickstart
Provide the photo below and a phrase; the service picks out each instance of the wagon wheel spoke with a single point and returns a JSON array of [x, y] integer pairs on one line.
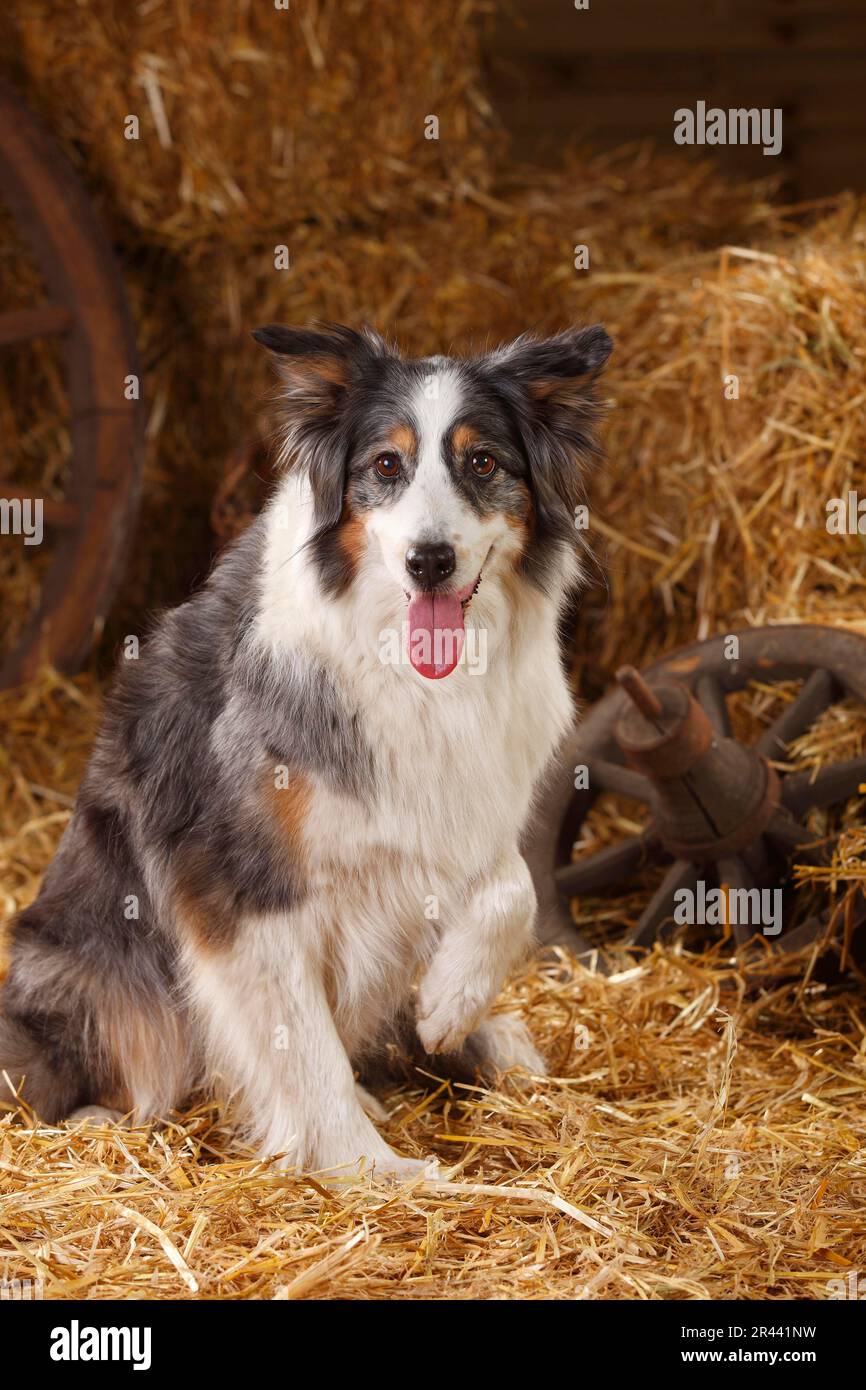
[[791, 838], [818, 692], [613, 777], [604, 868], [804, 790], [735, 873], [681, 874], [62, 515], [800, 937], [711, 698], [757, 858], [21, 325]]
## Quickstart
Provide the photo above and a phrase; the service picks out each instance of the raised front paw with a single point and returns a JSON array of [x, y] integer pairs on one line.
[[450, 1007]]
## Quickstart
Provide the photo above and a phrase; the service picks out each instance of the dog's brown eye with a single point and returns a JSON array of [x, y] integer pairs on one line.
[[483, 464], [387, 465]]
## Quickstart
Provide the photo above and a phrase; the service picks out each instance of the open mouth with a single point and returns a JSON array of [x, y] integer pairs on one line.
[[437, 630]]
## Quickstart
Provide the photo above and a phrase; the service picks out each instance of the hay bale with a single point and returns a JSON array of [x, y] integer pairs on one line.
[[716, 509], [254, 119]]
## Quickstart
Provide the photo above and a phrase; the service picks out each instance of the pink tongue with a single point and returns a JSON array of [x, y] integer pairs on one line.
[[435, 634]]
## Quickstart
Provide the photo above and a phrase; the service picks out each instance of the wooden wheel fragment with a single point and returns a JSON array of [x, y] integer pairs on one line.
[[90, 529], [719, 810]]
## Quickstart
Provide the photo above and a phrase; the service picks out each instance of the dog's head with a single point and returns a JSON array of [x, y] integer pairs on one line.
[[444, 472]]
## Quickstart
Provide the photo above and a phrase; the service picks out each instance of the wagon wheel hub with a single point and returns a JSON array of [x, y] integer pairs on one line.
[[709, 796]]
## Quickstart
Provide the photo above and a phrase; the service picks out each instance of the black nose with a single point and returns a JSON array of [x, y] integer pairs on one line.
[[430, 564]]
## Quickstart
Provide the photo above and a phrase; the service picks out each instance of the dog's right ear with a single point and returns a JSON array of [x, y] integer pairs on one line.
[[321, 368]]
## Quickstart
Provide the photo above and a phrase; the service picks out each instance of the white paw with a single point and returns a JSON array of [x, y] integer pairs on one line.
[[507, 1043], [400, 1169], [94, 1115], [384, 1166], [370, 1105], [449, 1008]]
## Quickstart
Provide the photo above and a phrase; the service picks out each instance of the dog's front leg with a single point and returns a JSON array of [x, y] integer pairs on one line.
[[475, 954], [270, 1038]]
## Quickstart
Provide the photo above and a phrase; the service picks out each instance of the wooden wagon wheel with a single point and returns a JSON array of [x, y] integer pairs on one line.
[[718, 807], [87, 307]]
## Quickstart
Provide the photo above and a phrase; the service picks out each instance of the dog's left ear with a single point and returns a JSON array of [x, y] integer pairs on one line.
[[548, 382], [556, 373]]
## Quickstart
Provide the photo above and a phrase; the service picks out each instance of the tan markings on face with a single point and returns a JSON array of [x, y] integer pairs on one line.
[[520, 527], [353, 539], [465, 438], [402, 439], [519, 538]]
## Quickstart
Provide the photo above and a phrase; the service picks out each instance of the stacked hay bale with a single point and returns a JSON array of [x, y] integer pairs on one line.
[[740, 416], [255, 118]]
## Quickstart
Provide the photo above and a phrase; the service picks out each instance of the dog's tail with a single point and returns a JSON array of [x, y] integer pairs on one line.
[[27, 1073]]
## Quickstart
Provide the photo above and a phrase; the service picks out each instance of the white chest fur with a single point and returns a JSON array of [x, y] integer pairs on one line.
[[456, 760]]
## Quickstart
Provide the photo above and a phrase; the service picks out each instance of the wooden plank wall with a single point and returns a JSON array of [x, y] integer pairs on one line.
[[618, 71]]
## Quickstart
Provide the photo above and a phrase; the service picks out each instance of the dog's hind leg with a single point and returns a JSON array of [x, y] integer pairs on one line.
[[89, 1014]]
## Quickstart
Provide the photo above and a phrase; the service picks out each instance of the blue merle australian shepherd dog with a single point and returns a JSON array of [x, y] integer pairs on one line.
[[314, 780]]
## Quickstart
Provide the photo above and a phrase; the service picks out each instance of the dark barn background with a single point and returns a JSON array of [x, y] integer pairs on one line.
[[615, 73]]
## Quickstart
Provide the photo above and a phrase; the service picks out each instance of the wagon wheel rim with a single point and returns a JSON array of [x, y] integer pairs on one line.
[[87, 307], [832, 665]]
